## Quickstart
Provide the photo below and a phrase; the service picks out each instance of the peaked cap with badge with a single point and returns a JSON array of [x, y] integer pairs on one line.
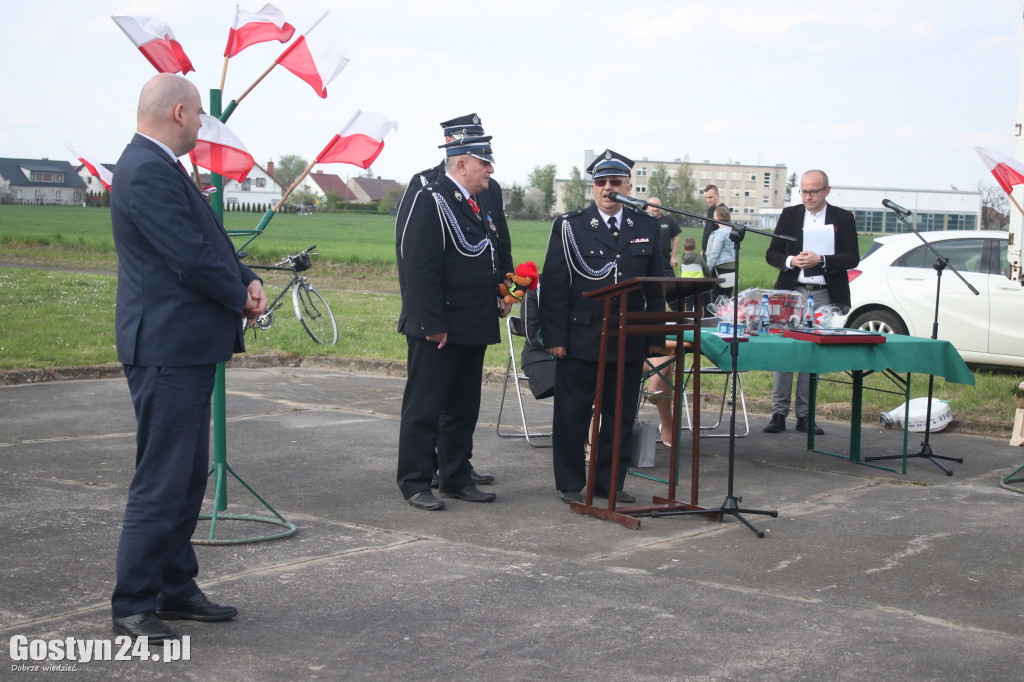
[[462, 126], [610, 164]]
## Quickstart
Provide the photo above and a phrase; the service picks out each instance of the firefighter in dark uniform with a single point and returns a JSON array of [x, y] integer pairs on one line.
[[491, 198], [589, 249], [446, 266]]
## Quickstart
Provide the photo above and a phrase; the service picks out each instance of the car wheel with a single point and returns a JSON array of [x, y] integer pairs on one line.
[[882, 321]]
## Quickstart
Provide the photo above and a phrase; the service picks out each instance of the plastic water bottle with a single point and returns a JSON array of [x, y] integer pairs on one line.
[[764, 316], [809, 313]]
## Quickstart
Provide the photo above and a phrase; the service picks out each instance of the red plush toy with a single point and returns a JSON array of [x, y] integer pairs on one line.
[[523, 279]]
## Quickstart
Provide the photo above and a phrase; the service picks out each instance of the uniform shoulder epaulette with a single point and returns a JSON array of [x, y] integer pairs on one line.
[[571, 214]]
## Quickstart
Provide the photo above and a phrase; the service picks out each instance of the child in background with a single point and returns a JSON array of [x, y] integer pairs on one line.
[[692, 264]]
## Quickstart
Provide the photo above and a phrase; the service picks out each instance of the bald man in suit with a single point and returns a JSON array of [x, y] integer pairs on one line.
[[182, 294]]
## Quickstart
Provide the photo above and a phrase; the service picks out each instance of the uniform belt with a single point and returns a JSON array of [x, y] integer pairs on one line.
[[812, 287]]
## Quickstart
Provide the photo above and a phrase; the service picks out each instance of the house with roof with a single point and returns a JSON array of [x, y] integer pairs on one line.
[[258, 189], [42, 181], [94, 189], [320, 184], [367, 190]]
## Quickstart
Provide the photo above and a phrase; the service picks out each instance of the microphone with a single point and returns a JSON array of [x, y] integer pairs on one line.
[[638, 204], [896, 207]]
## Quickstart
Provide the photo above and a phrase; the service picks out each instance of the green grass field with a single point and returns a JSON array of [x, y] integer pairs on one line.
[[58, 310]]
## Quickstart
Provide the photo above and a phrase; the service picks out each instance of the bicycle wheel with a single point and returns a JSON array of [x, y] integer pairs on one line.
[[314, 314]]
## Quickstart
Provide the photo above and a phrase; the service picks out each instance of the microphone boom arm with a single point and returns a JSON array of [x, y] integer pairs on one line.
[[734, 226]]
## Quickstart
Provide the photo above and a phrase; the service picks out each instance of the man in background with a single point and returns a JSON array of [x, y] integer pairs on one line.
[[714, 201]]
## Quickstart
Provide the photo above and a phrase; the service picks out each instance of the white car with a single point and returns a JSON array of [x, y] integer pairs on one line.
[[893, 291]]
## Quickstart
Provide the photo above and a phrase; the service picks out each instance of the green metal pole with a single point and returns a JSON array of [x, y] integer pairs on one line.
[[220, 441]]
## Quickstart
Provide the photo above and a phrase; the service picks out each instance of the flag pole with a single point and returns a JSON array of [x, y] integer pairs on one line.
[[195, 175], [224, 74], [1015, 203], [294, 185], [234, 103]]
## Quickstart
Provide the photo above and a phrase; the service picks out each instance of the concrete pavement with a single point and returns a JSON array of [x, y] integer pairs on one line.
[[864, 574]]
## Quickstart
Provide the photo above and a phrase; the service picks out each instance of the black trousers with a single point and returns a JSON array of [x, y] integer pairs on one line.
[[575, 388], [156, 563], [439, 382]]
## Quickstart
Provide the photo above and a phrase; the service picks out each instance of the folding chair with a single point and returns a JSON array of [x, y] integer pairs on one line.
[[713, 371], [705, 370], [513, 375]]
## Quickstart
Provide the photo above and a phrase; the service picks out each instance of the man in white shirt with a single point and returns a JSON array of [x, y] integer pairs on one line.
[[815, 264]]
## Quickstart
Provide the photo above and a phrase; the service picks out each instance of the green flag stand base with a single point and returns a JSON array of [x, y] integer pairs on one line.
[[220, 472], [1013, 478], [221, 469]]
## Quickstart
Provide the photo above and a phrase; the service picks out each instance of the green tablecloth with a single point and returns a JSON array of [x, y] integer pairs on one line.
[[902, 354]]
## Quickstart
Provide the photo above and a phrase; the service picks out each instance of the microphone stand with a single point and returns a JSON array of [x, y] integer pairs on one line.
[[940, 264], [731, 504]]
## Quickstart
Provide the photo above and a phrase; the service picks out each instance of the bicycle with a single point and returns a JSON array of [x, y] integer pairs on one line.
[[310, 307]]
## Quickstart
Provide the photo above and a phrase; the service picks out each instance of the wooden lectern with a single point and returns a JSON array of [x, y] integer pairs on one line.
[[618, 323]]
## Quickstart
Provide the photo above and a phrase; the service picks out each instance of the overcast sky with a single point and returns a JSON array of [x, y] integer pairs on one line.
[[881, 94]]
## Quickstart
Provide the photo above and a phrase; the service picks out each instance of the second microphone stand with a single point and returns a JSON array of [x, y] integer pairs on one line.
[[941, 263]]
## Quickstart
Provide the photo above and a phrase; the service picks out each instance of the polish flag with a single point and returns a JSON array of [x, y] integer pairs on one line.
[[257, 27], [1007, 170], [360, 142], [97, 169], [318, 56], [219, 150], [156, 42]]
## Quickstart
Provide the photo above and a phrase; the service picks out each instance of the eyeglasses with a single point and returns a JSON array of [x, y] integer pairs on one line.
[[614, 182], [812, 192]]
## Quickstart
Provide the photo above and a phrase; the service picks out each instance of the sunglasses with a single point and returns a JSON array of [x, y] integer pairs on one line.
[[614, 182]]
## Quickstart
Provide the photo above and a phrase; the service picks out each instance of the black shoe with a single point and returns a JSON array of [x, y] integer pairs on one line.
[[478, 479], [196, 607], [621, 497], [801, 425], [778, 423], [481, 479], [569, 496], [426, 500], [145, 624], [472, 494]]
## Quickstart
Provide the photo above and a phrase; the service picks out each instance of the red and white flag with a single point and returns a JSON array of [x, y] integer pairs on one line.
[[360, 141], [1007, 170], [318, 56], [105, 177], [257, 27], [219, 150], [156, 42]]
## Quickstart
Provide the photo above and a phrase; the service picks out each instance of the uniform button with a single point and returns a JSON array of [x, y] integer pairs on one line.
[[618, 256]]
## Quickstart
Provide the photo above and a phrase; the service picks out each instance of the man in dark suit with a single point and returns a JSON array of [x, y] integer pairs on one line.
[[815, 264], [447, 265], [181, 297], [491, 200], [589, 249]]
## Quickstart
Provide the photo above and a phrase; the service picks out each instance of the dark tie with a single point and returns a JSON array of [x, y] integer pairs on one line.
[[182, 167], [613, 227]]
